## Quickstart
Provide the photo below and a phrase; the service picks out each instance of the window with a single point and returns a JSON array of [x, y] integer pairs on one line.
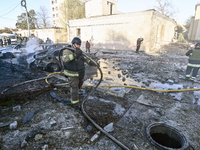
[[78, 32], [56, 8], [56, 15], [53, 15], [52, 9], [52, 2]]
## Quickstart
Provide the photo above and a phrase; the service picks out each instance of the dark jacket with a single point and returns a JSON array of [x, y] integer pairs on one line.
[[139, 41], [87, 44]]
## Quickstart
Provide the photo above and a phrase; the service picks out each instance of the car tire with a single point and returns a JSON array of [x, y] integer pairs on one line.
[[53, 67], [8, 55]]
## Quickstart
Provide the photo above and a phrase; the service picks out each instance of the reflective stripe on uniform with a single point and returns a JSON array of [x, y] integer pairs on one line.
[[71, 74], [187, 75], [193, 65], [192, 78], [75, 101], [71, 56]]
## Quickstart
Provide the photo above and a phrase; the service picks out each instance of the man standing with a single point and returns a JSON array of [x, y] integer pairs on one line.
[[74, 69], [193, 62], [139, 42], [87, 45], [1, 42], [9, 41]]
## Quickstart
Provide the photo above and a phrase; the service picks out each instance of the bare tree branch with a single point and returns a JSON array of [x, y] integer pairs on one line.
[[43, 17], [166, 8]]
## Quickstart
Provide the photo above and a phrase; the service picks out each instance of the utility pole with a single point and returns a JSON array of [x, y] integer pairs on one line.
[[23, 4]]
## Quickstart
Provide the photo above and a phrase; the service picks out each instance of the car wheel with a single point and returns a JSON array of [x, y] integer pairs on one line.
[[8, 55], [53, 67]]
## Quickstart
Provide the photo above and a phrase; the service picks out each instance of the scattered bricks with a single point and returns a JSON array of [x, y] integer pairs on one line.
[[109, 127], [17, 108], [123, 79], [38, 137], [109, 72], [13, 125], [119, 75], [53, 123]]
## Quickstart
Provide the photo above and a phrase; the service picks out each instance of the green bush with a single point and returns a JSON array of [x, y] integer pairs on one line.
[[181, 38]]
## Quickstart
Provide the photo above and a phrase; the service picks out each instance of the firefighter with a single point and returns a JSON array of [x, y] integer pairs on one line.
[[74, 69], [193, 62]]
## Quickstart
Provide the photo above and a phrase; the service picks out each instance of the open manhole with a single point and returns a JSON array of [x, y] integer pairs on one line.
[[166, 137]]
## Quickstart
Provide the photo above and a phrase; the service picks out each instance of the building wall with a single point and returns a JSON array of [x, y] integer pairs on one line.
[[55, 34], [121, 31], [102, 7], [195, 25], [191, 29]]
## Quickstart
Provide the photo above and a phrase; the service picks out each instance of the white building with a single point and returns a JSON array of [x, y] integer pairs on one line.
[[55, 12]]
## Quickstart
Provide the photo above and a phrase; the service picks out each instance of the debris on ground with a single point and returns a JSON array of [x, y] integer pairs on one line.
[[35, 120]]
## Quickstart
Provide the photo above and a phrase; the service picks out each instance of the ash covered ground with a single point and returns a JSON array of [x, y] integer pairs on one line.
[[54, 125]]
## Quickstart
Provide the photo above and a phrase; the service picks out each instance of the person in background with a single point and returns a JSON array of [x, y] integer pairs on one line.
[[19, 39], [74, 69], [87, 45], [5, 42], [139, 42], [1, 42], [9, 41], [193, 63]]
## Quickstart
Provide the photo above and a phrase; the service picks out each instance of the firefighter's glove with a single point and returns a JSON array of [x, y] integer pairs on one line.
[[92, 63], [78, 52]]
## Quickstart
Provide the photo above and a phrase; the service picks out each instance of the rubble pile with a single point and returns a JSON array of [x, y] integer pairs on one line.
[[44, 123]]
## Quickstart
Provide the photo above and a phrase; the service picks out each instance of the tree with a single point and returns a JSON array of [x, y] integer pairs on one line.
[[71, 9], [166, 8], [179, 29], [43, 17], [6, 30], [181, 38], [187, 26], [22, 21]]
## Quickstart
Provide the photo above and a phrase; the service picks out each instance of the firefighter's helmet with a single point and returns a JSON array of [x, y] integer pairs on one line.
[[76, 40], [197, 45]]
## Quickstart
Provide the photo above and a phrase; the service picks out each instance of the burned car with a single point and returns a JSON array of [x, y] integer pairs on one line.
[[12, 51], [48, 59]]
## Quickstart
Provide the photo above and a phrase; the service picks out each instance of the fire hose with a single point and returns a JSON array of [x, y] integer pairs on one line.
[[82, 108]]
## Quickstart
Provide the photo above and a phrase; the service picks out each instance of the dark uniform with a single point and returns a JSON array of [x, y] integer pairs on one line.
[[193, 62], [139, 42], [87, 45], [74, 69]]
